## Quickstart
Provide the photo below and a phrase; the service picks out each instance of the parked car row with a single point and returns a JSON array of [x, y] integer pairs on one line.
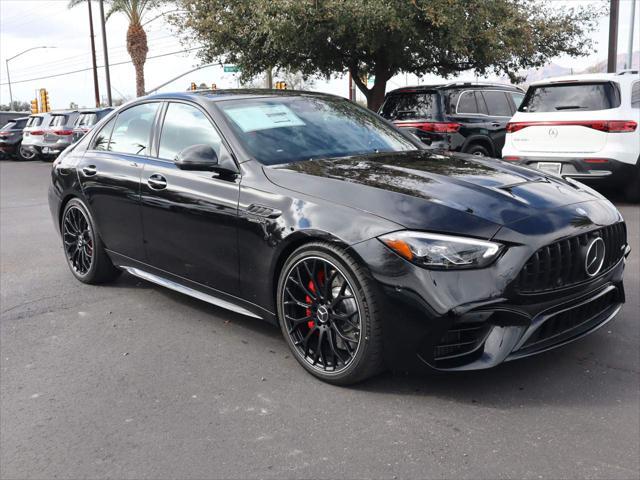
[[45, 135], [580, 126]]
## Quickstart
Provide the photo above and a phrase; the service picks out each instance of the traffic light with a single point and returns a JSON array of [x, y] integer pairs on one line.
[[193, 86], [281, 85], [45, 106], [34, 106]]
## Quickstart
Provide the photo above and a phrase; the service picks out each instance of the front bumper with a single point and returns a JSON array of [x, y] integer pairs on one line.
[[473, 319]]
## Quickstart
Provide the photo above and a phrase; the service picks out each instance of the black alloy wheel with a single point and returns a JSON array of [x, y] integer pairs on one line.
[[78, 239], [326, 315], [83, 247]]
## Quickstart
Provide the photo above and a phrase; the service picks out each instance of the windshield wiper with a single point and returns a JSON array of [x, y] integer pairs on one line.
[[569, 107]]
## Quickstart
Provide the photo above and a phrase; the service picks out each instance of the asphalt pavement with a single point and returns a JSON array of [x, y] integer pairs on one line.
[[132, 381]]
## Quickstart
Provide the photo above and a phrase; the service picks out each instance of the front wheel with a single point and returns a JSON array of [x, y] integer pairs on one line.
[[477, 150], [329, 315], [83, 247]]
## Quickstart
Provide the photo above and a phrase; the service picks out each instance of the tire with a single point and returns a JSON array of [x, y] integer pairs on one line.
[[83, 247], [24, 154], [632, 189], [337, 360], [478, 150]]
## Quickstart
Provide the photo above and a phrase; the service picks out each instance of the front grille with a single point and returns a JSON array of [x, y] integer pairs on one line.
[[571, 323], [561, 264], [461, 340]]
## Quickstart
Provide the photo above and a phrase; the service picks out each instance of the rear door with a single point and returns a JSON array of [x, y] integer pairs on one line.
[[110, 174], [564, 111], [190, 217], [499, 111]]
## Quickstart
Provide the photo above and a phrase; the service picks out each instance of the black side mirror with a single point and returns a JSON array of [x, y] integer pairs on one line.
[[197, 157]]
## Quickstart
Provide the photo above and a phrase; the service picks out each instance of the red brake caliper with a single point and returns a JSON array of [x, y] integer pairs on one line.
[[312, 287]]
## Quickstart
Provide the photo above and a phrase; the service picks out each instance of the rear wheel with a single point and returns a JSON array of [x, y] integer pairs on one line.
[[478, 150], [25, 153], [328, 314], [83, 248]]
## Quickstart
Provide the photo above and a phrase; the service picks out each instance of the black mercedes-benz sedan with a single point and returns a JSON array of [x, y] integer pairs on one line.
[[317, 215]]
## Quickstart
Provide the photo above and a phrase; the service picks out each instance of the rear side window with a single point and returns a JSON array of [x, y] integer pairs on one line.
[[34, 122], [517, 98], [101, 140], [635, 95], [571, 97], [497, 103], [467, 103], [132, 130], [58, 121], [407, 106]]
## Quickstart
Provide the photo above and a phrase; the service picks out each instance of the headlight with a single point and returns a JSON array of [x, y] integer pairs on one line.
[[445, 252]]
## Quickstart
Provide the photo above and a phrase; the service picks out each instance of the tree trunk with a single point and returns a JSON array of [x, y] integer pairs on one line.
[[138, 48], [376, 95]]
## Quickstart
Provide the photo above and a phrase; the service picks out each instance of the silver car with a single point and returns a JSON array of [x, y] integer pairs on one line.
[[33, 134], [58, 135]]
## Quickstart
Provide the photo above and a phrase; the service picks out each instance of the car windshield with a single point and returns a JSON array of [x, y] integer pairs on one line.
[[58, 121], [290, 129], [34, 121], [405, 106], [86, 120], [559, 97]]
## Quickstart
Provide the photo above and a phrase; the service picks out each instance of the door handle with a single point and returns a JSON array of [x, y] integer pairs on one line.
[[157, 182], [90, 170]]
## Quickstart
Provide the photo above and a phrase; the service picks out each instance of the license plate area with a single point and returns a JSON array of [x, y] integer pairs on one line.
[[554, 168]]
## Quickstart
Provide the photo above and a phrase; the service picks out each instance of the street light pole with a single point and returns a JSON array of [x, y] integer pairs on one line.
[[612, 57], [93, 56], [7, 65]]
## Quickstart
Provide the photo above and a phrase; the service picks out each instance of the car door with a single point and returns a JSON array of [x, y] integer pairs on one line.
[[190, 217], [499, 112], [110, 174]]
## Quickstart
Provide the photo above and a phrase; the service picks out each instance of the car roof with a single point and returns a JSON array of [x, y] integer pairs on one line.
[[457, 85], [95, 110], [236, 94], [624, 76], [17, 119]]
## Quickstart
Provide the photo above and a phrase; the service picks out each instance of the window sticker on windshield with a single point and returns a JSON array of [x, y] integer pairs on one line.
[[264, 117]]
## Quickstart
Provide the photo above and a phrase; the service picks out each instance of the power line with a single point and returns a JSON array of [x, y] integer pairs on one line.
[[101, 66]]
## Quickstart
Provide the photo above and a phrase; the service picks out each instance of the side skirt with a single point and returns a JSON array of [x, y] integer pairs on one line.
[[196, 290]]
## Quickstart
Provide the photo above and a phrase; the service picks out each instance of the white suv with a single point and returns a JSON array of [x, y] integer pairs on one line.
[[581, 126]]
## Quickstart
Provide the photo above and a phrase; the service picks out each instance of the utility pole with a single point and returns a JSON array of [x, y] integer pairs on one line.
[[612, 59], [106, 53], [631, 25], [93, 56]]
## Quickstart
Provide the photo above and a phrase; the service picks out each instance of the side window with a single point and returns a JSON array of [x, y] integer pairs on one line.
[[467, 103], [132, 130], [184, 126], [635, 95], [497, 103], [517, 98], [101, 140]]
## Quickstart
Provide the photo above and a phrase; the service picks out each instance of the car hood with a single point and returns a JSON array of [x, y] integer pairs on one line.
[[426, 190]]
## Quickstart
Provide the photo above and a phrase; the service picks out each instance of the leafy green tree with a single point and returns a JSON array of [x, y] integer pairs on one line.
[[380, 38], [137, 46]]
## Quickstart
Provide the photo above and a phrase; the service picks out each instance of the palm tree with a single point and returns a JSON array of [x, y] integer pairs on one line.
[[136, 36]]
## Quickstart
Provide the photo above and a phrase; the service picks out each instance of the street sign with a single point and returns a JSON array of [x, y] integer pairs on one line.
[[230, 68]]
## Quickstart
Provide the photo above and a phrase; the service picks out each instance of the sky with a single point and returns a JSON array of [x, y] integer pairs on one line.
[[35, 23]]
